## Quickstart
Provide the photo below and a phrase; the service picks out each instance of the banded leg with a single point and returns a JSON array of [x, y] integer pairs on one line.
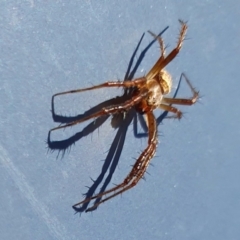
[[137, 171], [161, 63], [127, 84], [108, 110]]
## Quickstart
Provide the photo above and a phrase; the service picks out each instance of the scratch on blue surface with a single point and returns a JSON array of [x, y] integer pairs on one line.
[[56, 229]]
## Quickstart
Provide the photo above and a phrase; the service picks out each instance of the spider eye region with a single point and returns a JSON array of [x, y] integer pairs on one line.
[[155, 95], [165, 80]]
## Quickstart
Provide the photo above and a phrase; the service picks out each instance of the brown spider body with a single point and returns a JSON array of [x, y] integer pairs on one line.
[[156, 88], [148, 95]]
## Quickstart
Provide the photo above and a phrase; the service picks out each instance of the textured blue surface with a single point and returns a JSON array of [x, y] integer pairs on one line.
[[46, 47]]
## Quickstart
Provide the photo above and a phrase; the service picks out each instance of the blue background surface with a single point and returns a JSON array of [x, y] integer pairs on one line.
[[191, 192]]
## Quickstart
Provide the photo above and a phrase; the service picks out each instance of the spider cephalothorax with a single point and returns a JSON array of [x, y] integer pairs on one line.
[[156, 88], [149, 94]]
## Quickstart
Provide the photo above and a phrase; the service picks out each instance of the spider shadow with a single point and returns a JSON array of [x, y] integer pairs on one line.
[[119, 122]]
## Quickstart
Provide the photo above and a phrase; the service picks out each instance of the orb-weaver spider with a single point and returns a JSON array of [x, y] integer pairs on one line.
[[148, 95]]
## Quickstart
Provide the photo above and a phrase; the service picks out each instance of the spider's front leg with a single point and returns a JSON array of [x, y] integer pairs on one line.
[[137, 171], [161, 43], [177, 49], [164, 61]]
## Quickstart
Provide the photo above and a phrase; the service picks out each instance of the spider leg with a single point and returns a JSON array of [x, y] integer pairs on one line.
[[176, 50], [109, 110], [137, 171], [180, 101], [161, 63], [161, 43], [169, 108], [183, 101], [155, 69], [127, 84]]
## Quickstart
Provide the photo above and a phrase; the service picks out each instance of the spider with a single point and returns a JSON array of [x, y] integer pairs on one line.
[[148, 95]]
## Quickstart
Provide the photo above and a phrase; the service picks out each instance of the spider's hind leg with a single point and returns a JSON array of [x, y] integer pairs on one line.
[[137, 172]]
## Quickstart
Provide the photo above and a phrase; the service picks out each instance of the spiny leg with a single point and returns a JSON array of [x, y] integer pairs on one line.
[[137, 171], [169, 108], [133, 178], [155, 70], [176, 50], [108, 110], [161, 63], [183, 101], [161, 43], [127, 84]]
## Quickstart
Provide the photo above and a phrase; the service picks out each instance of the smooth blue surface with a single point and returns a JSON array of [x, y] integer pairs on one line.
[[46, 47]]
